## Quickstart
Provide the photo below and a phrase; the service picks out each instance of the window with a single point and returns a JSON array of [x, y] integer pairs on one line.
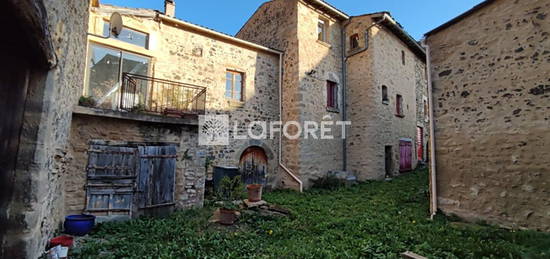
[[332, 95], [385, 99], [128, 35], [322, 30], [234, 85], [403, 57], [354, 41], [105, 69], [399, 106]]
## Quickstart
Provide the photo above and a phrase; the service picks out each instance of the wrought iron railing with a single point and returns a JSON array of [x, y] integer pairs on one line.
[[160, 96]]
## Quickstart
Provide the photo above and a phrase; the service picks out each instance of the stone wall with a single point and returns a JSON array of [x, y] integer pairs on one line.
[[317, 156], [274, 25], [190, 175], [374, 123], [491, 86], [291, 26], [42, 156], [186, 55]]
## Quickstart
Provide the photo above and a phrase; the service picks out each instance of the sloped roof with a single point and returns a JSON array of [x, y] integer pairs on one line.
[[328, 8]]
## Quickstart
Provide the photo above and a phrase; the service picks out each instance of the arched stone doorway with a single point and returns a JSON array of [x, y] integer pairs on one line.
[[253, 165]]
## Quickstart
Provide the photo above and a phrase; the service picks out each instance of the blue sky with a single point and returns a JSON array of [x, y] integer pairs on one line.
[[417, 16]]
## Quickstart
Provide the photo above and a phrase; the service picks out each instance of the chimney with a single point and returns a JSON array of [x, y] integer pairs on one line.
[[170, 8]]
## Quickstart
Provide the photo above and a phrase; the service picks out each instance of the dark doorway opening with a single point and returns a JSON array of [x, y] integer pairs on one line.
[[388, 160]]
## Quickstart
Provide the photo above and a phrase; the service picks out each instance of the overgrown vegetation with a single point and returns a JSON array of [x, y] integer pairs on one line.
[[86, 101], [370, 220]]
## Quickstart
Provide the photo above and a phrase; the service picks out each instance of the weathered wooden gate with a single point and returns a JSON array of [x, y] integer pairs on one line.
[[253, 166], [125, 180], [111, 179], [156, 179], [405, 155]]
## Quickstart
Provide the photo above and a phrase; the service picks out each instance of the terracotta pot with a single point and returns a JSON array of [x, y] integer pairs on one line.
[[227, 217], [254, 192]]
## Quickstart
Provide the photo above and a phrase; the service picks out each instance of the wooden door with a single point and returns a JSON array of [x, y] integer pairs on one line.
[[253, 166], [405, 155], [111, 174], [156, 180]]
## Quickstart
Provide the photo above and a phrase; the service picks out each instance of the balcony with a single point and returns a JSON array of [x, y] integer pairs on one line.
[[149, 99], [145, 94]]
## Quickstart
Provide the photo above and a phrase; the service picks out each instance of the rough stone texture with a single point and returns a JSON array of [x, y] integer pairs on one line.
[[190, 176], [375, 124], [491, 73], [184, 55], [274, 24], [42, 156], [304, 96]]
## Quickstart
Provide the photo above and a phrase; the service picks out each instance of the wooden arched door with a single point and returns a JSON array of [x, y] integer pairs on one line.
[[253, 166]]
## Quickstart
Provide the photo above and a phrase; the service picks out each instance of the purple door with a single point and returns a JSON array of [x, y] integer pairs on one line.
[[405, 155]]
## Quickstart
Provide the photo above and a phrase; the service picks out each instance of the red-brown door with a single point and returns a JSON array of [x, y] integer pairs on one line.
[[405, 155], [253, 166], [420, 143]]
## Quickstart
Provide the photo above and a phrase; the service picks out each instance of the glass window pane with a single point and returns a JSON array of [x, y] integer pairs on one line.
[[103, 74], [128, 35], [238, 83], [228, 85], [137, 65]]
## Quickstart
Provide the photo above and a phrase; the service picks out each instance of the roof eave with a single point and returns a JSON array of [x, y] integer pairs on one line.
[[327, 8], [392, 25]]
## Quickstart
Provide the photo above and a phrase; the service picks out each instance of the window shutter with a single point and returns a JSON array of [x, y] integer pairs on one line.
[[110, 179], [156, 179]]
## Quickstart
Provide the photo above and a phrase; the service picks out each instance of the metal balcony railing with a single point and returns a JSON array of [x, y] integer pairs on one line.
[[152, 95]]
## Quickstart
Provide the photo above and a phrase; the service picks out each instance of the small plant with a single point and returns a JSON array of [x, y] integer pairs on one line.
[[230, 190], [138, 108], [329, 183], [87, 101]]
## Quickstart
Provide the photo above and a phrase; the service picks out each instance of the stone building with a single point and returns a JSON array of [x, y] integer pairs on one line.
[[108, 125], [491, 85], [138, 112], [40, 80], [335, 67]]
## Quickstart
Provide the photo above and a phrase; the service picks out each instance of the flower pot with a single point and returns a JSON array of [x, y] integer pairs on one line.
[[79, 225], [254, 192], [227, 217]]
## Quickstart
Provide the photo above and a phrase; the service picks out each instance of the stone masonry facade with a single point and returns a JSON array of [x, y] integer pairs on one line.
[[317, 62], [42, 159], [384, 67], [183, 54], [491, 86]]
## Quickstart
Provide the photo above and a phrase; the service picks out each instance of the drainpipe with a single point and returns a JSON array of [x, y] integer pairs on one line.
[[281, 164], [433, 174], [344, 96]]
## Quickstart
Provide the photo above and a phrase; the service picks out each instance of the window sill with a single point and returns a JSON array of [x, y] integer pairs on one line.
[[333, 110], [400, 115], [324, 44], [354, 51], [235, 103], [386, 102]]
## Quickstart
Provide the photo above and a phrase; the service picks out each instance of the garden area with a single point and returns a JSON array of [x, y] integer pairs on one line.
[[369, 220]]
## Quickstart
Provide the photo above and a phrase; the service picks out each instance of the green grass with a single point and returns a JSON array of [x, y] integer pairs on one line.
[[370, 220]]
